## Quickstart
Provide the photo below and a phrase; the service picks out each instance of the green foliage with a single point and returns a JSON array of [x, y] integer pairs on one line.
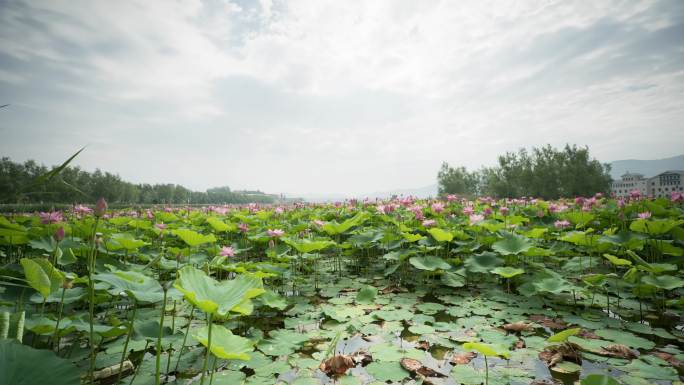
[[542, 172]]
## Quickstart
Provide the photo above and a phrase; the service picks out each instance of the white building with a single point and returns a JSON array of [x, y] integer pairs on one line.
[[663, 184], [629, 181]]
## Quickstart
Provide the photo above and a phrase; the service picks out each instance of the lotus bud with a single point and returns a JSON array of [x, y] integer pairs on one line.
[[59, 234], [100, 207]]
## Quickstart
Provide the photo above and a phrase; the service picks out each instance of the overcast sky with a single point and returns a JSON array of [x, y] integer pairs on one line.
[[334, 96]]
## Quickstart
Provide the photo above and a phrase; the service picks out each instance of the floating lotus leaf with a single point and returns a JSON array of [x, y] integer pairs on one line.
[[599, 379], [387, 371], [366, 295], [222, 297], [224, 344], [625, 338]]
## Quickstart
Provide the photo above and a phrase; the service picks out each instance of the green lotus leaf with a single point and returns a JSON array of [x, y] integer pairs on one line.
[[136, 285], [307, 245], [482, 263], [42, 276], [22, 365], [617, 261], [429, 263], [453, 279], [562, 336], [220, 226], [366, 295], [625, 338], [225, 344], [489, 350], [599, 379], [421, 329], [124, 241], [512, 244], [334, 228], [387, 371], [216, 297], [507, 271], [193, 238], [441, 235], [665, 282], [654, 227]]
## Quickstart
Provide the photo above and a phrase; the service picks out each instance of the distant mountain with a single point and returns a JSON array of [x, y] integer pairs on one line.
[[647, 167], [423, 192]]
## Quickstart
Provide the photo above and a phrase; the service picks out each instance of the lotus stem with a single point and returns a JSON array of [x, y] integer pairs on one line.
[[128, 338], [173, 330], [55, 337], [91, 304], [206, 356], [20, 327], [159, 338], [4, 325], [486, 371], [185, 338]]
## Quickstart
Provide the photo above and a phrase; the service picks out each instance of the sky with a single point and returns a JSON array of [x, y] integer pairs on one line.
[[345, 97]]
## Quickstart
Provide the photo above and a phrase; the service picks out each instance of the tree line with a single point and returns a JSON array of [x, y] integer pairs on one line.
[[543, 172], [74, 185]]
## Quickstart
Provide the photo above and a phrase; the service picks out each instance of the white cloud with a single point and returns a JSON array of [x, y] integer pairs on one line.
[[351, 96]]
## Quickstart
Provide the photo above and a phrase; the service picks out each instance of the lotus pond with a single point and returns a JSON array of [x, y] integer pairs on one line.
[[395, 292]]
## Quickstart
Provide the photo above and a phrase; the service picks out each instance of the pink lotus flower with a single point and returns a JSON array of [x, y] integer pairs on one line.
[[621, 203], [59, 234], [160, 226], [677, 197], [562, 224], [277, 233], [100, 207], [227, 251], [504, 210], [243, 227], [80, 210], [540, 214], [635, 194], [279, 210], [438, 207], [318, 222], [645, 215], [451, 197], [488, 211], [429, 222], [51, 217], [468, 210], [476, 218]]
